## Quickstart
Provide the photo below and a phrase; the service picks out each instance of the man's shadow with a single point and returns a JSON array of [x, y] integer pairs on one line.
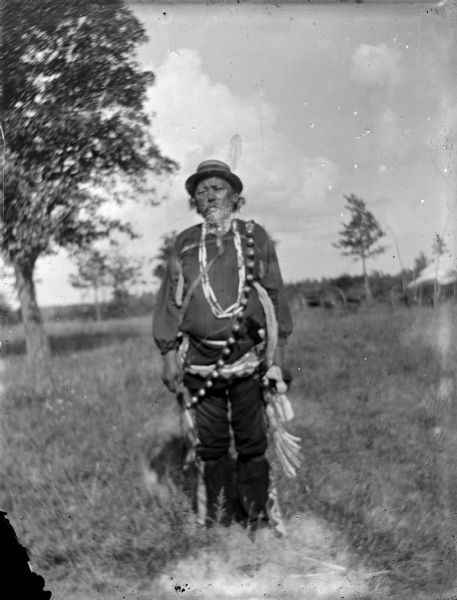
[[168, 465]]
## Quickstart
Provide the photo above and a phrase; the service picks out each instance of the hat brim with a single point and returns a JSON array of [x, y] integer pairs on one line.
[[194, 180]]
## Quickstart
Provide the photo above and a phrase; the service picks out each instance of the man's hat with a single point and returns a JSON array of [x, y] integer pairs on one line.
[[213, 168]]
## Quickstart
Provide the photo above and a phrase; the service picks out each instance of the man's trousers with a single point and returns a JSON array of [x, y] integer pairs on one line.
[[235, 405]]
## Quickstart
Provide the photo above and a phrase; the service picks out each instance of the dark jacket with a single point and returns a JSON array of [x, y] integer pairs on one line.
[[181, 306]]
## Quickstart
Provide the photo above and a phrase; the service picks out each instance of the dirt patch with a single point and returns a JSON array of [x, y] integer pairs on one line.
[[313, 562]]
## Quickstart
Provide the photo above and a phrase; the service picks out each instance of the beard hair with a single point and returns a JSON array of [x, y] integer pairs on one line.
[[216, 219]]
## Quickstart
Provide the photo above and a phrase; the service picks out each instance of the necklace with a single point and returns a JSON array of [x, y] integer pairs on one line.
[[216, 308]]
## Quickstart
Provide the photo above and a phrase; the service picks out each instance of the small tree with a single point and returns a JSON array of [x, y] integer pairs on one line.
[[92, 273], [113, 270], [164, 254], [439, 247], [420, 262], [123, 272], [360, 235]]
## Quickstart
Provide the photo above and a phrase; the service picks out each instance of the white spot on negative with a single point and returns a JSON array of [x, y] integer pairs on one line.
[[356, 166]]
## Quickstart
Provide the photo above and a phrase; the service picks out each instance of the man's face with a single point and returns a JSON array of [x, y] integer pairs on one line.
[[216, 200]]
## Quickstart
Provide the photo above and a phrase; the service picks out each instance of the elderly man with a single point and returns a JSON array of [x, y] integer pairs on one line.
[[219, 307]]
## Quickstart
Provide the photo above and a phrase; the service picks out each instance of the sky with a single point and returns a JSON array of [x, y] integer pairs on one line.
[[322, 101]]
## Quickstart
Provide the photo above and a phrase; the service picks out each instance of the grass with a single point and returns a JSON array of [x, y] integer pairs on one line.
[[377, 416], [71, 468], [69, 336], [375, 401]]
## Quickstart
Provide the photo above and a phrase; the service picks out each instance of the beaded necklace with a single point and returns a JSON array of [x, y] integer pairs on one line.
[[216, 308]]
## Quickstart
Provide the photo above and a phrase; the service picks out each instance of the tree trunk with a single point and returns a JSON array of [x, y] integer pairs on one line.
[[37, 343], [98, 315], [366, 280], [436, 293]]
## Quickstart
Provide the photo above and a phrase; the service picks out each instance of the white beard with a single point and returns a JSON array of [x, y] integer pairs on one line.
[[219, 220]]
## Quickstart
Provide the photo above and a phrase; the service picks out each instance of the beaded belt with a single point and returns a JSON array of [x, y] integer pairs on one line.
[[246, 365]]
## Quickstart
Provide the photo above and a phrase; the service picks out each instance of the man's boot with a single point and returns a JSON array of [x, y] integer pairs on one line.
[[218, 483], [253, 482]]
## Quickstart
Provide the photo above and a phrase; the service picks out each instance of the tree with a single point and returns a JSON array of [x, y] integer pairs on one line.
[[124, 272], [114, 270], [92, 273], [164, 254], [439, 246], [420, 262], [360, 236], [73, 120]]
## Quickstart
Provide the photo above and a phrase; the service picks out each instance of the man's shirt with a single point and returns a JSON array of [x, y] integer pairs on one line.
[[182, 308]]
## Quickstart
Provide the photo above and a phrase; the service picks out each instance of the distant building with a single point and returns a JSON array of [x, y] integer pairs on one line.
[[437, 281], [442, 271]]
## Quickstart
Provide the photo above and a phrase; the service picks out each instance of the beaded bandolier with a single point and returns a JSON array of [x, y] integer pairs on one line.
[[235, 311], [285, 445]]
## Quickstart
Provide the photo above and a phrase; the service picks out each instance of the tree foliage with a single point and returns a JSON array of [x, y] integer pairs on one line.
[[439, 246], [124, 272], [92, 270], [164, 254], [114, 271], [420, 262], [75, 133], [359, 237], [73, 118], [92, 273]]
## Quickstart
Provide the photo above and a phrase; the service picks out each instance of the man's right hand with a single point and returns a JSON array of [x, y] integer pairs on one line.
[[172, 371]]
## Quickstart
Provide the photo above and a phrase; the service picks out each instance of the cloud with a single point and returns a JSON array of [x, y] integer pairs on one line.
[[393, 139], [376, 65], [195, 118], [319, 177], [441, 136]]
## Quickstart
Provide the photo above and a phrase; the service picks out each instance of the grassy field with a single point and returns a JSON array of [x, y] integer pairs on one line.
[[375, 401]]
